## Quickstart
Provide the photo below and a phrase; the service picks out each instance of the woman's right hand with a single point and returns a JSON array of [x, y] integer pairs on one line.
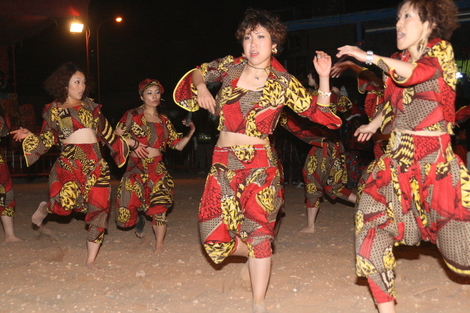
[[20, 133], [338, 68], [205, 99]]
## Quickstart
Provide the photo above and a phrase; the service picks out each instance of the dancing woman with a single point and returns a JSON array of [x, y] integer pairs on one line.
[[418, 189], [79, 179], [146, 185], [243, 191]]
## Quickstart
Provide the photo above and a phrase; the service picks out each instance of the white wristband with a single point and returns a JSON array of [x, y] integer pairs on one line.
[[369, 57]]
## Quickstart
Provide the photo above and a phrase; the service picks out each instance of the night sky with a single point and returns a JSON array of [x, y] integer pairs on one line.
[[157, 39]]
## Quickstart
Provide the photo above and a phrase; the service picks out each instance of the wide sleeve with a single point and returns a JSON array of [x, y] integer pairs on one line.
[[125, 125], [173, 136], [116, 144], [310, 135], [438, 62], [305, 104], [35, 145], [185, 93]]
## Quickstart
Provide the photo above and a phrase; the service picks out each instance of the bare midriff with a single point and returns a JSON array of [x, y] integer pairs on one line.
[[81, 136], [227, 139]]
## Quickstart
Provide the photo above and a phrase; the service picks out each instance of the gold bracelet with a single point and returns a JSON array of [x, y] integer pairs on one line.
[[323, 94]]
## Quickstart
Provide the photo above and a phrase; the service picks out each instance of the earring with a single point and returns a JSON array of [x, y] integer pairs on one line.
[[274, 50], [243, 54]]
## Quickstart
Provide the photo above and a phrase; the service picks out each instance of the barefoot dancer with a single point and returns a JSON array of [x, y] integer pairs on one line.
[[79, 179], [243, 191], [324, 170], [146, 185], [418, 189], [7, 196]]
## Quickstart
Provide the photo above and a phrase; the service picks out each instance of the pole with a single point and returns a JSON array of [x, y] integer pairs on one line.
[[87, 47]]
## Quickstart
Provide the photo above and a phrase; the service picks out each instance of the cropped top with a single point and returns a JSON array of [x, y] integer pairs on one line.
[[155, 135], [60, 123], [253, 113], [426, 99]]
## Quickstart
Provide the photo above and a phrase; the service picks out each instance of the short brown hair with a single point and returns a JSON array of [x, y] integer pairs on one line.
[[57, 82], [440, 13], [268, 20]]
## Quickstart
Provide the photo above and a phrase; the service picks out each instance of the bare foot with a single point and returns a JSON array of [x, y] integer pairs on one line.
[[259, 308], [40, 214], [158, 249], [308, 230], [92, 267], [12, 239]]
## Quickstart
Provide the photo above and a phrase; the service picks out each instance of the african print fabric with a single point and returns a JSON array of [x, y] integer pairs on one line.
[[324, 170], [242, 197], [418, 190], [7, 195], [146, 186], [253, 113], [79, 181]]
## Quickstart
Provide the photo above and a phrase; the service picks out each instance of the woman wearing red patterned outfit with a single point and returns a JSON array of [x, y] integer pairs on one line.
[[79, 179], [243, 191], [324, 171], [418, 190], [7, 196], [147, 186]]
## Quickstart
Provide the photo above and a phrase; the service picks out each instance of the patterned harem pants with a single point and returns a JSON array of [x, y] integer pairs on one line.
[[325, 172], [79, 181], [242, 196], [146, 186], [7, 196], [418, 190]]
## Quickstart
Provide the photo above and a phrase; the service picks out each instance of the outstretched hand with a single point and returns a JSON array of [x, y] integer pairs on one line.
[[20, 133], [364, 132], [339, 68], [352, 51]]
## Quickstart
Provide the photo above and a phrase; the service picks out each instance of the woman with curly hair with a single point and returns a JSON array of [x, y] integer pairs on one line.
[[79, 179], [146, 186], [418, 189], [243, 191]]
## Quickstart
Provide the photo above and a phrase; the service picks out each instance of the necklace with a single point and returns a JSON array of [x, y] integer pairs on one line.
[[265, 69]]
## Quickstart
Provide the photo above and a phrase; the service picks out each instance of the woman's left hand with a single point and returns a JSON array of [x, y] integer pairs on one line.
[[141, 151], [322, 63]]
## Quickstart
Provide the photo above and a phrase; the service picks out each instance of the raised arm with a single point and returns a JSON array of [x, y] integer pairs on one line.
[[403, 69]]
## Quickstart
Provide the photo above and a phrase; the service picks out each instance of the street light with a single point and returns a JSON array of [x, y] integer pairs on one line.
[[117, 19], [77, 27]]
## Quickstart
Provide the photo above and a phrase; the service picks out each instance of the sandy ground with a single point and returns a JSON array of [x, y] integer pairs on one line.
[[311, 272]]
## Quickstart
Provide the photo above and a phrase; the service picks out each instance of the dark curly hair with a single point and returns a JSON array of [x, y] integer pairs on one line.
[[440, 13], [268, 20], [57, 82]]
